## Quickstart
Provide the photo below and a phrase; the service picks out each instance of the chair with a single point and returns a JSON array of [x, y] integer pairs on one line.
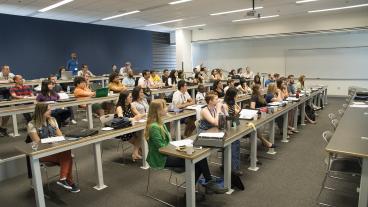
[[349, 166], [108, 118], [44, 168], [177, 170], [332, 116], [334, 123]]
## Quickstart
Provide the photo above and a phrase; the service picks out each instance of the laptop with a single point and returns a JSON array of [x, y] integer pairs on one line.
[[102, 92], [213, 138], [66, 75]]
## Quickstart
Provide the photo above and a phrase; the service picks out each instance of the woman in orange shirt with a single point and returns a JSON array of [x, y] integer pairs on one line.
[[82, 91]]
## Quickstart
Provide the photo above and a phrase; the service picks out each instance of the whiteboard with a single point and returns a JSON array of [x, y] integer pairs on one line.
[[328, 63]]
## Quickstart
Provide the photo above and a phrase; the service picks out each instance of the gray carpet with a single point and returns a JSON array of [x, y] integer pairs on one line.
[[290, 178]]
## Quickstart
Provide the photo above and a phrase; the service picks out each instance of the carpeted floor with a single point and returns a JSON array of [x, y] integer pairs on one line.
[[291, 178]]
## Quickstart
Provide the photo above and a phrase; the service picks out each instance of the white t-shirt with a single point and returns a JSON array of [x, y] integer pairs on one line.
[[10, 76], [144, 83], [200, 97], [180, 98]]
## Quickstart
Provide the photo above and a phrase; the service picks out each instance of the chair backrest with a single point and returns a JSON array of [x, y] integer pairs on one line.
[[341, 112], [106, 118], [326, 135], [334, 123], [332, 116]]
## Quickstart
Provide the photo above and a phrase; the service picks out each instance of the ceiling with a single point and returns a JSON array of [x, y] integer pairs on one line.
[[153, 11]]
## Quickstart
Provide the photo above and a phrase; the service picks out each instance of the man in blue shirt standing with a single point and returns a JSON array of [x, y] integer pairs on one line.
[[72, 64]]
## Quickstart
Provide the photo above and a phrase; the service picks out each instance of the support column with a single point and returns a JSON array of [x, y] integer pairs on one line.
[[184, 50]]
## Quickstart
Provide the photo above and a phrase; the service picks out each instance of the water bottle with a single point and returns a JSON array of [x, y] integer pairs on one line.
[[68, 89], [221, 121]]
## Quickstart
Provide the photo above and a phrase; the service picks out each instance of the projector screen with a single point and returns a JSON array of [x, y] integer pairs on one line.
[[328, 63]]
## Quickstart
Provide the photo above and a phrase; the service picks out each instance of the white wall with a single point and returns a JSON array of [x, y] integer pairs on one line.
[[280, 25], [268, 55]]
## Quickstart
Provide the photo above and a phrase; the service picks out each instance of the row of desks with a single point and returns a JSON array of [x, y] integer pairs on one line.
[[351, 139], [15, 108], [237, 133], [232, 135]]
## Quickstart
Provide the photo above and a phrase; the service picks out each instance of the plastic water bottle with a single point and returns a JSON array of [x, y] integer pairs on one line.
[[68, 89]]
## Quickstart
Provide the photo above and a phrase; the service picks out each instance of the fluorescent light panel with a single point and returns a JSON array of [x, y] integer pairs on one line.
[[198, 25], [175, 20], [235, 11], [305, 1], [338, 8], [264, 17], [179, 2], [55, 5], [120, 15]]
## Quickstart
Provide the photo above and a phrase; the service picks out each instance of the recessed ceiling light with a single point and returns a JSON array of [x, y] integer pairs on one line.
[[175, 20], [235, 11], [179, 2], [264, 17], [198, 25], [55, 5], [120, 15], [338, 8], [305, 1]]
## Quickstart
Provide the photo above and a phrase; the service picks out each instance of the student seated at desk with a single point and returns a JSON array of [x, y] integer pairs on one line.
[[165, 77], [158, 136], [145, 82], [115, 84], [257, 81], [155, 79], [43, 125], [21, 91], [139, 101], [82, 91], [282, 88], [84, 70], [230, 84], [5, 73], [129, 80], [243, 87], [218, 88], [258, 101], [48, 94], [124, 109], [201, 94], [173, 78], [182, 99]]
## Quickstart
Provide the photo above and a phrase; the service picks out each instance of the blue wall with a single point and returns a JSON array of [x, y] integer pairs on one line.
[[37, 47]]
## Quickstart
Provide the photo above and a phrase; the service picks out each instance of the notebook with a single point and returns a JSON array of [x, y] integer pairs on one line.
[[102, 92]]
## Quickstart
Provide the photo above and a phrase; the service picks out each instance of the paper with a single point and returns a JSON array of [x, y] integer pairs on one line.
[[358, 106], [52, 139], [195, 107], [184, 142], [358, 103], [63, 96], [107, 128], [292, 99], [247, 113], [212, 134]]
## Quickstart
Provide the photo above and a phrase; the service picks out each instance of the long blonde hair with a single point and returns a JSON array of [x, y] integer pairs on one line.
[[38, 116], [154, 115], [272, 88]]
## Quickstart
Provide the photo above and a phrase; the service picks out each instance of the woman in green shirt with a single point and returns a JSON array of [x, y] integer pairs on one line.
[[158, 136]]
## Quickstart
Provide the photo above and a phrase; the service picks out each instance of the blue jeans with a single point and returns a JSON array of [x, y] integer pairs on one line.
[[235, 156]]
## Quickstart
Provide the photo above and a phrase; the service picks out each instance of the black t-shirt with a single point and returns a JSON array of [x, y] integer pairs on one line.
[[258, 103]]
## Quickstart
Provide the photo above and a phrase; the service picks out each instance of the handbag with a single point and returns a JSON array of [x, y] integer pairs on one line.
[[120, 122]]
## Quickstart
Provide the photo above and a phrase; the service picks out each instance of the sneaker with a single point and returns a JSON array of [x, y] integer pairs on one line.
[[74, 189], [73, 121], [212, 187], [64, 184]]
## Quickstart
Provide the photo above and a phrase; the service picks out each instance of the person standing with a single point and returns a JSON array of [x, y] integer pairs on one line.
[[72, 64]]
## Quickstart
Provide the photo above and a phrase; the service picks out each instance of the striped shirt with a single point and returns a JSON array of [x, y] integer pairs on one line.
[[23, 90]]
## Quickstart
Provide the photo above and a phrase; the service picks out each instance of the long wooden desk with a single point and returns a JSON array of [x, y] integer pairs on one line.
[[15, 110], [190, 161], [96, 140], [351, 138]]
